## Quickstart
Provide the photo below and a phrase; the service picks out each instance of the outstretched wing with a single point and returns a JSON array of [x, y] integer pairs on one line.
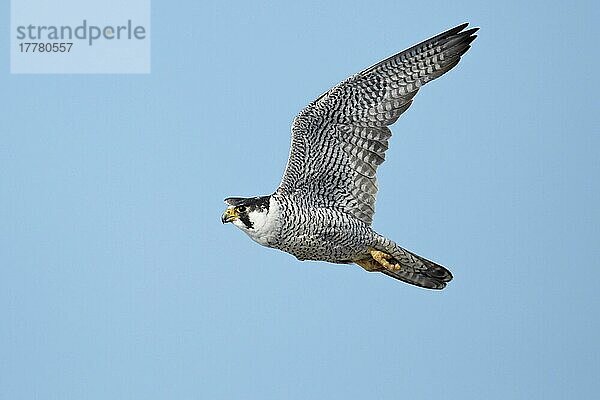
[[340, 139]]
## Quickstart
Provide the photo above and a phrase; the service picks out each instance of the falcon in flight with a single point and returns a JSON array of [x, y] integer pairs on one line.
[[324, 206]]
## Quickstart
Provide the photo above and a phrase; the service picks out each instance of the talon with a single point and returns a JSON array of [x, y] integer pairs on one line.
[[382, 258]]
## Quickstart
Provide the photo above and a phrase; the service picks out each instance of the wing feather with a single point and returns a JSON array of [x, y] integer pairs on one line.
[[340, 139]]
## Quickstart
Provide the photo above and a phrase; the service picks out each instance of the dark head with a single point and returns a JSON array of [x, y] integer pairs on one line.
[[246, 213]]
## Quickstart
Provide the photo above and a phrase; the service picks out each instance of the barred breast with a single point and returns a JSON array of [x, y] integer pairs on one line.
[[319, 233]]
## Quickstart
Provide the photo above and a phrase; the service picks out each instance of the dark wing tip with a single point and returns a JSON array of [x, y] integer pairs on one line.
[[450, 37], [467, 36], [456, 29]]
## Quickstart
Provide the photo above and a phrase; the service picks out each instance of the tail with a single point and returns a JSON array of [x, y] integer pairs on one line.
[[420, 272], [407, 266]]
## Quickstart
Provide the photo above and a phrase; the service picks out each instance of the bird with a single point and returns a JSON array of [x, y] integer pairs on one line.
[[324, 205]]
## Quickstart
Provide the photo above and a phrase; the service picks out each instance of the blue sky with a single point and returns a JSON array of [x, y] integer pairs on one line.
[[117, 279]]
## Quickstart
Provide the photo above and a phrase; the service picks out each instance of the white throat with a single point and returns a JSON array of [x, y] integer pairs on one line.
[[265, 225]]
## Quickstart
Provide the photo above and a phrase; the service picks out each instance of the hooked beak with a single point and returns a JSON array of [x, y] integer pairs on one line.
[[229, 215]]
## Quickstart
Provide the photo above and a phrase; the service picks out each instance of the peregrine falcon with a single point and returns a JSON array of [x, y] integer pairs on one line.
[[324, 205]]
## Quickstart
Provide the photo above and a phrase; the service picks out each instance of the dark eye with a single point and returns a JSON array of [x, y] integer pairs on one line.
[[241, 209]]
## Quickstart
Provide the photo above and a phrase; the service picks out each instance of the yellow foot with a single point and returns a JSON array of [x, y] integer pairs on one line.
[[369, 264], [382, 258]]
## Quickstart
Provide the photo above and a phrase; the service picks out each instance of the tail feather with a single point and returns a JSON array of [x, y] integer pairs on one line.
[[415, 269], [423, 273]]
